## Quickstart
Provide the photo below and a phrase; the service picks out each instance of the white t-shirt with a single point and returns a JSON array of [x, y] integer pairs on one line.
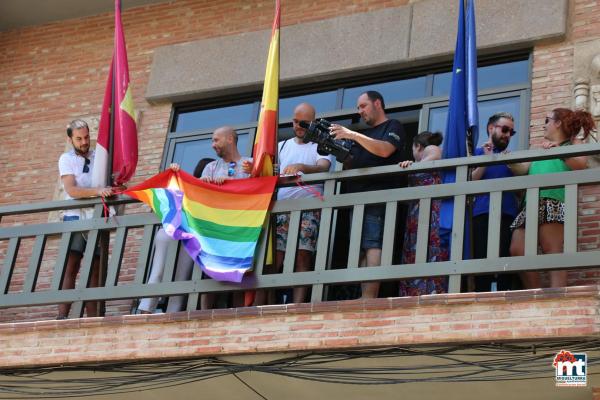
[[70, 163], [292, 152]]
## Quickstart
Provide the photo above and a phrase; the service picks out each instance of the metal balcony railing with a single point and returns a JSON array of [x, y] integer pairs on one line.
[[28, 292]]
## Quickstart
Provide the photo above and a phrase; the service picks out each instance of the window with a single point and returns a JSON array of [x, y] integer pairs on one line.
[[491, 76], [232, 115], [438, 115], [419, 101], [392, 92], [188, 152]]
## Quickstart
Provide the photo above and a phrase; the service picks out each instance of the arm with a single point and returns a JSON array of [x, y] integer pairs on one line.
[[247, 166], [519, 168], [431, 153], [77, 192], [478, 172], [576, 163], [322, 165], [380, 148]]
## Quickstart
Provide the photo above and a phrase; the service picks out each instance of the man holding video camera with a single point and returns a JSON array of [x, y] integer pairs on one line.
[[383, 143]]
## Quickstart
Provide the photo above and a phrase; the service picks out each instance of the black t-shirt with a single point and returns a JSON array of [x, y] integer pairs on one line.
[[390, 131]]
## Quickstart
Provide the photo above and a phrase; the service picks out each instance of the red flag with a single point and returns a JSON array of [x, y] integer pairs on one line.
[[125, 147], [266, 132]]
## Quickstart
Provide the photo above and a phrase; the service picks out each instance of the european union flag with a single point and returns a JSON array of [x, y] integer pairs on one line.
[[461, 127]]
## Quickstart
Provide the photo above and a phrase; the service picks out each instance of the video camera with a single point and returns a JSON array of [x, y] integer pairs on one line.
[[318, 132]]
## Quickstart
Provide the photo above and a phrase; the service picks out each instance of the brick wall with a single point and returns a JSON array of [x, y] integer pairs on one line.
[[453, 318]]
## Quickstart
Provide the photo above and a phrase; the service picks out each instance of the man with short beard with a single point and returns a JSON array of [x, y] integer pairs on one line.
[[229, 163], [500, 129], [75, 168], [384, 142]]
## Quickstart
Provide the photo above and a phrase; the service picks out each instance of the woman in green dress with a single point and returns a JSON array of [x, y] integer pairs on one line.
[[562, 127]]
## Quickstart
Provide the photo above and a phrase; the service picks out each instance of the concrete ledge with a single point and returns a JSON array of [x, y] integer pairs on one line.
[[435, 319], [502, 25], [236, 64], [379, 41]]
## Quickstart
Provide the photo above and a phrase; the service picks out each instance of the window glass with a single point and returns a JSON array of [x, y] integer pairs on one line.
[[438, 116], [391, 91], [322, 102], [487, 77], [287, 131], [214, 118], [187, 154], [188, 150]]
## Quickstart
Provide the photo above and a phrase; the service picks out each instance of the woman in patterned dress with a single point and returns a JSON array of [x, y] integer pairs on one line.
[[561, 129], [425, 148]]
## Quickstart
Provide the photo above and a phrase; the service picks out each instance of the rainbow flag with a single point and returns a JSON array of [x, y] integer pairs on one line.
[[218, 225], [266, 131]]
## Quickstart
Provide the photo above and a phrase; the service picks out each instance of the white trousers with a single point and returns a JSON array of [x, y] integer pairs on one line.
[[183, 272]]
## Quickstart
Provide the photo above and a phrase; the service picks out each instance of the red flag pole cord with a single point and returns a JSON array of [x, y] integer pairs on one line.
[[309, 189]]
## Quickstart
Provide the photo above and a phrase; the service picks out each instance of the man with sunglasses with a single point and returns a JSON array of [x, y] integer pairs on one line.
[[296, 157], [500, 129], [75, 168]]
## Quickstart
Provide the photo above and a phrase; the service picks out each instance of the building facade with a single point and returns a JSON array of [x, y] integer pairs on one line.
[[195, 65]]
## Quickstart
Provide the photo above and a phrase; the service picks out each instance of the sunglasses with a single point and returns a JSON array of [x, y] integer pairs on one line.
[[231, 169], [506, 129], [86, 166], [548, 119]]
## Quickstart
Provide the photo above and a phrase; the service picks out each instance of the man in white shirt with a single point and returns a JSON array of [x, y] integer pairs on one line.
[[75, 169], [228, 165], [295, 156]]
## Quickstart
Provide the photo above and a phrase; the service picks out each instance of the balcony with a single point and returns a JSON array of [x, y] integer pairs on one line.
[[33, 254]]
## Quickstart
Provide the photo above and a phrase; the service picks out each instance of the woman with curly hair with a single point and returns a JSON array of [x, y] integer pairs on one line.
[[562, 126]]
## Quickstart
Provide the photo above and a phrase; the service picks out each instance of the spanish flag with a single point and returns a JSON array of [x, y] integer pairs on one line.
[[265, 140]]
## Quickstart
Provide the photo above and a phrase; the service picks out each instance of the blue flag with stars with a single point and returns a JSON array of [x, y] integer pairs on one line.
[[463, 116]]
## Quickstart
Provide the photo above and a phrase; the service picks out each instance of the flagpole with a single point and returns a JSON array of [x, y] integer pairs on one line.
[[104, 236], [470, 82], [111, 129], [276, 136]]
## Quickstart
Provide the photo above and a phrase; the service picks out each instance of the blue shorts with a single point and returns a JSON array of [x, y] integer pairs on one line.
[[372, 229]]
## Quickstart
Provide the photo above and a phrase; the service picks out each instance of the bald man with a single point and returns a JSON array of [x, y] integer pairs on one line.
[[294, 157], [229, 163], [227, 166]]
